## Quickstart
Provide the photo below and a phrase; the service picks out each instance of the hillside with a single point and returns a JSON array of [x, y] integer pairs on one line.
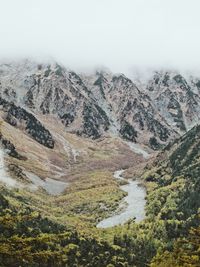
[[173, 199]]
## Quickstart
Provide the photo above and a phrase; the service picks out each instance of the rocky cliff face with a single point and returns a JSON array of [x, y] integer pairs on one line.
[[20, 118], [163, 107], [175, 98]]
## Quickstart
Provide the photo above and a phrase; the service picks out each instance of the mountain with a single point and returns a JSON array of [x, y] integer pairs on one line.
[[90, 106], [176, 98], [50, 89], [131, 111]]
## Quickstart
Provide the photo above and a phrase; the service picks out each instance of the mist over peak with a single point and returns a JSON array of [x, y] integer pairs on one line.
[[116, 34]]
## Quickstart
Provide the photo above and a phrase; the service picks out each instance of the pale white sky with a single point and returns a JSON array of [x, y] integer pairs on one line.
[[118, 34]]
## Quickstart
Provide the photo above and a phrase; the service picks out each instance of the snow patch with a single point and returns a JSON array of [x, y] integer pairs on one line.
[[51, 186], [138, 149], [69, 149], [3, 175]]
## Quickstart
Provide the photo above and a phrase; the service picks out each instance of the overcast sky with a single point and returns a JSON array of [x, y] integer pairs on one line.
[[118, 34]]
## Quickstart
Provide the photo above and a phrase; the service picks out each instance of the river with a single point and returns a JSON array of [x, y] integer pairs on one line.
[[135, 203]]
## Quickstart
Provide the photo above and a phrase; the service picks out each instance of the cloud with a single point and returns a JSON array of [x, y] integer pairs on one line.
[[118, 34]]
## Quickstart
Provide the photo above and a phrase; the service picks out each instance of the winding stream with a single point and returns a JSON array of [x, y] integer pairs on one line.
[[135, 203]]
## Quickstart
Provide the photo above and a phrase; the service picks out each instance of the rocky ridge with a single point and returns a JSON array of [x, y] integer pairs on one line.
[[162, 108]]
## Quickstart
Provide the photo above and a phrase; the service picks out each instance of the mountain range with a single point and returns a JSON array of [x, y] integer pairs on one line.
[[151, 112]]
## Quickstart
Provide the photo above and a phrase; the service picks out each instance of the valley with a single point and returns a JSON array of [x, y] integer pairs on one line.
[[97, 170]]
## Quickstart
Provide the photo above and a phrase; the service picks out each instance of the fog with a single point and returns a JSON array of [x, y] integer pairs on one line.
[[119, 34]]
